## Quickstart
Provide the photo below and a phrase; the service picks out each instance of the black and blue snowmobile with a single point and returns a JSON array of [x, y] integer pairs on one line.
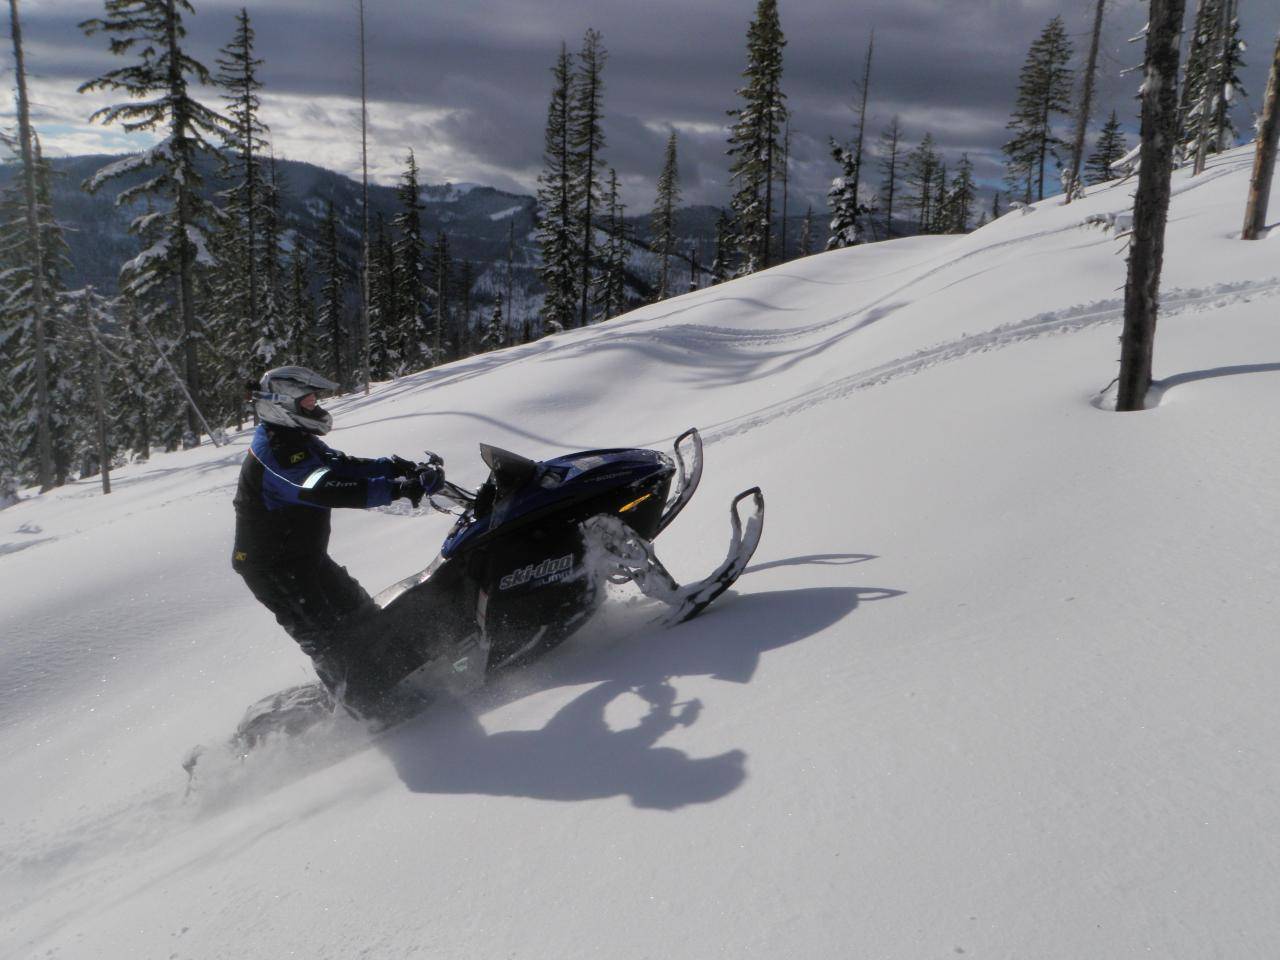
[[525, 566]]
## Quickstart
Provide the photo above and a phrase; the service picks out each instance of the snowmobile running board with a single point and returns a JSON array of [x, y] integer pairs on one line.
[[690, 476]]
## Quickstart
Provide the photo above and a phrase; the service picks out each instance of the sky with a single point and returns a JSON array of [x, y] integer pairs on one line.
[[466, 84]]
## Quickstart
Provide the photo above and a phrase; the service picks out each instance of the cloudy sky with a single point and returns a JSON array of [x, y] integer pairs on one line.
[[465, 83]]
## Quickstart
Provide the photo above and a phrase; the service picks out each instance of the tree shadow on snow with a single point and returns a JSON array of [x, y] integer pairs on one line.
[[577, 754], [1161, 387]]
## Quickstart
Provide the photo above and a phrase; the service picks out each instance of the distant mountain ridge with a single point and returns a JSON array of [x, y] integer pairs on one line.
[[477, 219]]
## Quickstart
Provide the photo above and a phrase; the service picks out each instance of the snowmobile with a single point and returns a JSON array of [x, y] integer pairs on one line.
[[524, 567]]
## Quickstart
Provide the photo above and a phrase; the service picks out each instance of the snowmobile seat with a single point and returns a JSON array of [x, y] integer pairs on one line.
[[510, 470]]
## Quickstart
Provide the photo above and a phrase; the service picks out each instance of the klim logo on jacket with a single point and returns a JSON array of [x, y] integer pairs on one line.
[[548, 571]]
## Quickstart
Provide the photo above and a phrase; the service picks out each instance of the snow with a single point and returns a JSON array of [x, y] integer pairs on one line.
[[503, 214], [1000, 681]]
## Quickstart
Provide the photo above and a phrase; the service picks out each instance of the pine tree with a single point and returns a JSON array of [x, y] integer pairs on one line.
[[920, 175], [961, 197], [39, 300], [1264, 157], [441, 272], [725, 245], [662, 221], [164, 275], [846, 212], [1044, 89], [939, 219], [384, 307], [271, 349], [494, 337], [332, 319], [753, 138], [241, 244], [559, 189], [586, 140], [891, 168], [1211, 80], [416, 337], [612, 295], [46, 418], [847, 209], [303, 344], [806, 234], [1109, 148], [465, 289]]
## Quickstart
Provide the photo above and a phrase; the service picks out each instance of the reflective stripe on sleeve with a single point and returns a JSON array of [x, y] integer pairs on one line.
[[314, 478]]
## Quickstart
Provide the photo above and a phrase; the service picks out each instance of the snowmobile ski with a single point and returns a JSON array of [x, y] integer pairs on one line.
[[630, 558]]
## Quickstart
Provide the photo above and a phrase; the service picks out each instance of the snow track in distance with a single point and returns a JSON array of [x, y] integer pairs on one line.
[[1067, 320]]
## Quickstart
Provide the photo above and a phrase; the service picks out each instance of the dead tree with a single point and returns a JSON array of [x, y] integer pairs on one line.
[[1264, 160], [1074, 186], [1151, 205]]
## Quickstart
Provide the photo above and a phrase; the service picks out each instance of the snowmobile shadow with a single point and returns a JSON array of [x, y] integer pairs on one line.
[[577, 755]]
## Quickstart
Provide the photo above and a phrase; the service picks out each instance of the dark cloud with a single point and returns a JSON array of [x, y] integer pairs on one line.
[[466, 84]]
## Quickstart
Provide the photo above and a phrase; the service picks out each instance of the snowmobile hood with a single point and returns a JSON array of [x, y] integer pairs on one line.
[[557, 486]]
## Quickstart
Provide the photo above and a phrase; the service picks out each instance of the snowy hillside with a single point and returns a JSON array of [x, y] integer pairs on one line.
[[1001, 681]]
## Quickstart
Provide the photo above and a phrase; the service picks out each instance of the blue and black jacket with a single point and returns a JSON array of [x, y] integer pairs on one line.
[[289, 482]]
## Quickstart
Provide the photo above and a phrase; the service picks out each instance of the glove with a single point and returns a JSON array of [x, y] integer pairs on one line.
[[400, 467], [430, 477], [410, 489]]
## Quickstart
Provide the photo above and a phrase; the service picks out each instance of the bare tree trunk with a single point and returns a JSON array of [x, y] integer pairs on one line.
[[862, 121], [786, 185], [1086, 104], [99, 402], [364, 207], [44, 438], [1151, 205], [1264, 161]]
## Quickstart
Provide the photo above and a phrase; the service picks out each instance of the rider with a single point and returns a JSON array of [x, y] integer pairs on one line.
[[289, 481]]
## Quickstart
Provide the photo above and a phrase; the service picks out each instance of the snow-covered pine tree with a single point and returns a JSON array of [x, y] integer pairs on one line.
[[48, 419], [1211, 81], [88, 316], [1109, 148], [662, 221], [1044, 89], [611, 298], [237, 313], [332, 319], [135, 385], [416, 337], [846, 212], [891, 169], [440, 270], [586, 140], [163, 277], [494, 337], [39, 300], [559, 191], [919, 176], [753, 139]]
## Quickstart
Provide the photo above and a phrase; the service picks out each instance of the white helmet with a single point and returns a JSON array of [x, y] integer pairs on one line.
[[283, 387]]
